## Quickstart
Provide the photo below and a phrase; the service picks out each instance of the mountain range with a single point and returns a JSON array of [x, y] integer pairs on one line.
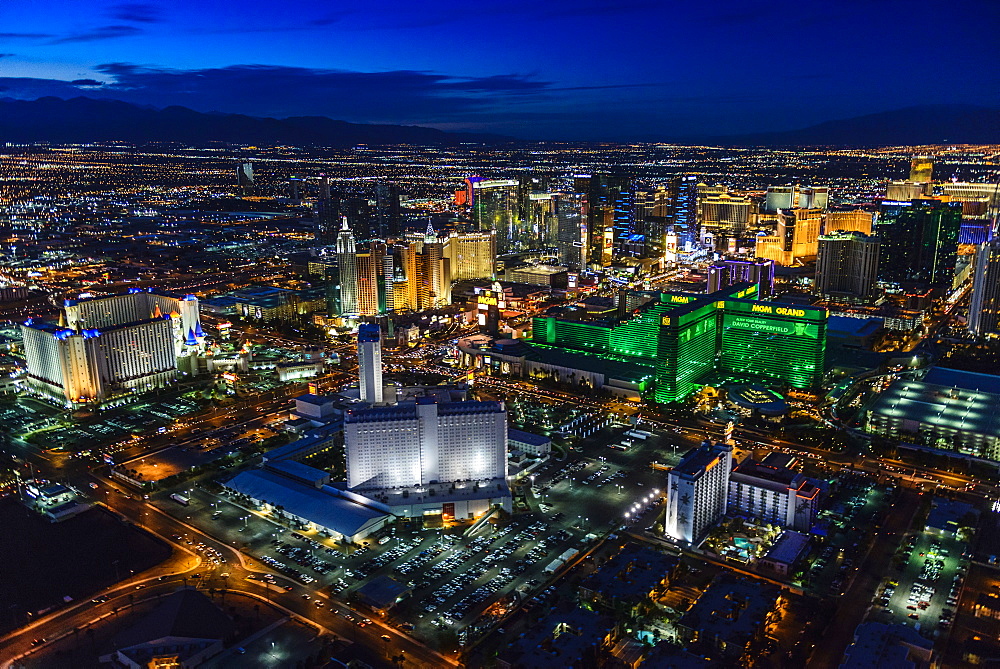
[[82, 120]]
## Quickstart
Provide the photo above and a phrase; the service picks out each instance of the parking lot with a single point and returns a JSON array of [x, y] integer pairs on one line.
[[924, 589], [454, 576]]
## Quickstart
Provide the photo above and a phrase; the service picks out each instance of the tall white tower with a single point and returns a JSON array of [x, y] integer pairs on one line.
[[370, 362]]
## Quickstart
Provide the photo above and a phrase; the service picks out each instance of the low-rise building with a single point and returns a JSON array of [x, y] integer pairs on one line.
[[790, 547], [729, 617], [948, 409], [629, 579], [526, 442], [568, 640], [878, 645]]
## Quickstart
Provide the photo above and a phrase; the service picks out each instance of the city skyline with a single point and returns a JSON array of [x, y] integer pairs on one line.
[[650, 71]]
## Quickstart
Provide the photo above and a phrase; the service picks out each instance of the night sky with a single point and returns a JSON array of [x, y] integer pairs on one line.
[[549, 69]]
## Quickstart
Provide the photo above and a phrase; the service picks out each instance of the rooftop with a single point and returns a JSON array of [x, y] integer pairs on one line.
[[789, 546], [326, 506], [732, 609], [944, 399], [630, 574]]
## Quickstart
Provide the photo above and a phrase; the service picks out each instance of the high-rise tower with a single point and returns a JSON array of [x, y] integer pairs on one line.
[[984, 309], [370, 362], [347, 263], [919, 241], [847, 265]]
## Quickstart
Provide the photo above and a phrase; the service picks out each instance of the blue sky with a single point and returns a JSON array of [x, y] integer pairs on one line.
[[559, 70]]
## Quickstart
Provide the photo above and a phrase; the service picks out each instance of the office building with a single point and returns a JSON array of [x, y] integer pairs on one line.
[[244, 178], [795, 240], [682, 214], [112, 346], [847, 265], [370, 362], [697, 492], [919, 241], [984, 307], [729, 272], [780, 198], [347, 264], [496, 208], [388, 210], [772, 492], [921, 169], [571, 232], [471, 255], [848, 221], [425, 442]]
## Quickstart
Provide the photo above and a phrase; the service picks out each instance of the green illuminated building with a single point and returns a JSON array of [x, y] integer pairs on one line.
[[689, 338]]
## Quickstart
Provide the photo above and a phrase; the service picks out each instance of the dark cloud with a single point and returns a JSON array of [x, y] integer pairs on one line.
[[101, 33], [7, 55], [137, 12], [24, 35], [398, 96]]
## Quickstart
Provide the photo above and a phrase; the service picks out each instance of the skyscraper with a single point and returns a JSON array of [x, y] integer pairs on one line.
[[724, 214], [697, 492], [728, 272], [495, 207], [984, 308], [683, 206], [425, 442], [472, 255], [347, 263], [919, 241], [571, 233], [921, 169], [244, 178], [370, 362], [795, 238], [433, 273], [857, 221], [779, 198], [847, 265], [370, 265], [388, 210]]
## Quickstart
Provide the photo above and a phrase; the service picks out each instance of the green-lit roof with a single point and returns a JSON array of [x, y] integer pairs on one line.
[[633, 371]]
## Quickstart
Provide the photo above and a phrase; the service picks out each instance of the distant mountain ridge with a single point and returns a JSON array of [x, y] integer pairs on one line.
[[930, 124], [82, 119], [85, 119]]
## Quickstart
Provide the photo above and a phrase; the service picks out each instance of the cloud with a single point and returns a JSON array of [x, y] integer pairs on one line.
[[137, 12], [25, 35], [7, 55], [395, 96], [101, 33]]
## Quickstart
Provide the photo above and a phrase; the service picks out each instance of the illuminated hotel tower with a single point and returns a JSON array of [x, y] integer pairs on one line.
[[347, 262], [370, 362]]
